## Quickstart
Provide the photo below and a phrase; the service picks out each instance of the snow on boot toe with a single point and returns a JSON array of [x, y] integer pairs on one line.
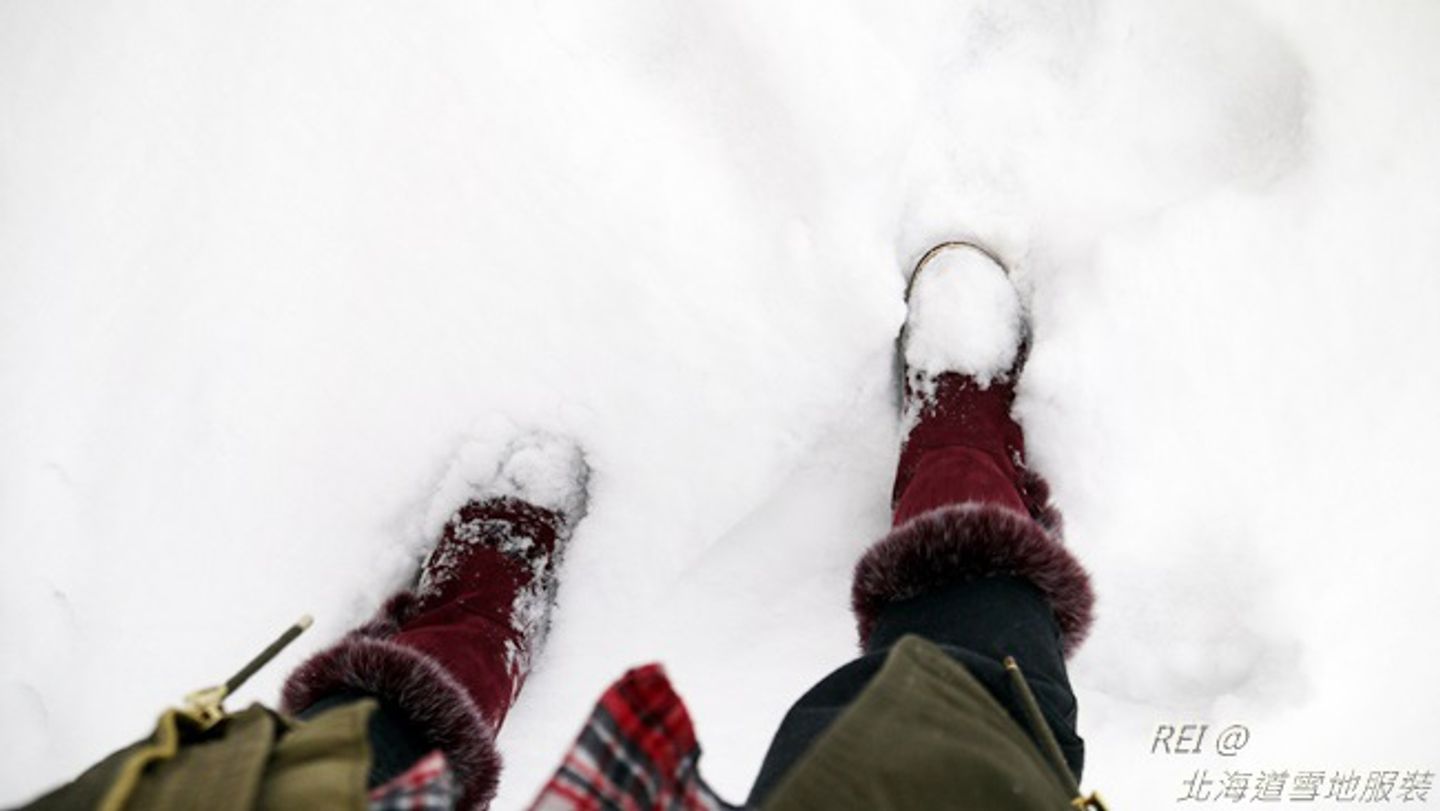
[[537, 467], [545, 470], [965, 316]]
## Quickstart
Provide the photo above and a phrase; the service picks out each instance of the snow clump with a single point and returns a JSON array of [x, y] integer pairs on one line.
[[965, 316]]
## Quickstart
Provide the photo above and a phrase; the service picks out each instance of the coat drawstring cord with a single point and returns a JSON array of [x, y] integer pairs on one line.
[[205, 707], [1048, 745]]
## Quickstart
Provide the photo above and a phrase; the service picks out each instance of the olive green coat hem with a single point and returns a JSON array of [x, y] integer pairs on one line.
[[923, 734], [254, 759]]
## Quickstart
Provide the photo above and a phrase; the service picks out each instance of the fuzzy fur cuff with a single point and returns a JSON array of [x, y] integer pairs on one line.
[[967, 542], [367, 661], [1035, 492]]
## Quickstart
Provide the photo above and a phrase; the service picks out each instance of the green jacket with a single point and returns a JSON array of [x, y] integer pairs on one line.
[[254, 759], [925, 734]]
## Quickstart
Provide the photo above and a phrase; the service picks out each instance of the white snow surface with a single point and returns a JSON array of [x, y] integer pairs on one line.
[[264, 267], [501, 459], [965, 316]]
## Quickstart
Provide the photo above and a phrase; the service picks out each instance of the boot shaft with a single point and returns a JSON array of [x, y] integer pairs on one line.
[[962, 446]]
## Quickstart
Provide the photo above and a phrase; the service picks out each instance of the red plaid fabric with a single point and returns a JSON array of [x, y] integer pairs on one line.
[[637, 752], [429, 785]]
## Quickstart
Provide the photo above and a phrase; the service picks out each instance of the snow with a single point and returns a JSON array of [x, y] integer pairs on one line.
[[500, 460], [964, 316], [264, 268]]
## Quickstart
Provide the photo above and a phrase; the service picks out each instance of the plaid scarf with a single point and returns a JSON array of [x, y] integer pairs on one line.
[[636, 752]]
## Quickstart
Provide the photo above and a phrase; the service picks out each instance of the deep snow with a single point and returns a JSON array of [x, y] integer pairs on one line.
[[265, 266]]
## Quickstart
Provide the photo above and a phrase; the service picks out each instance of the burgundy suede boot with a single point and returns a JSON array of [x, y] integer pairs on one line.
[[452, 653], [965, 505]]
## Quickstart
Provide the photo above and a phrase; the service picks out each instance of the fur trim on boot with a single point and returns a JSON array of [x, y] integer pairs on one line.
[[1035, 492], [967, 542], [366, 661]]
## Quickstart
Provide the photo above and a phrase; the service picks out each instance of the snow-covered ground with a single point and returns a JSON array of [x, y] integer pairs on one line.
[[265, 265]]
